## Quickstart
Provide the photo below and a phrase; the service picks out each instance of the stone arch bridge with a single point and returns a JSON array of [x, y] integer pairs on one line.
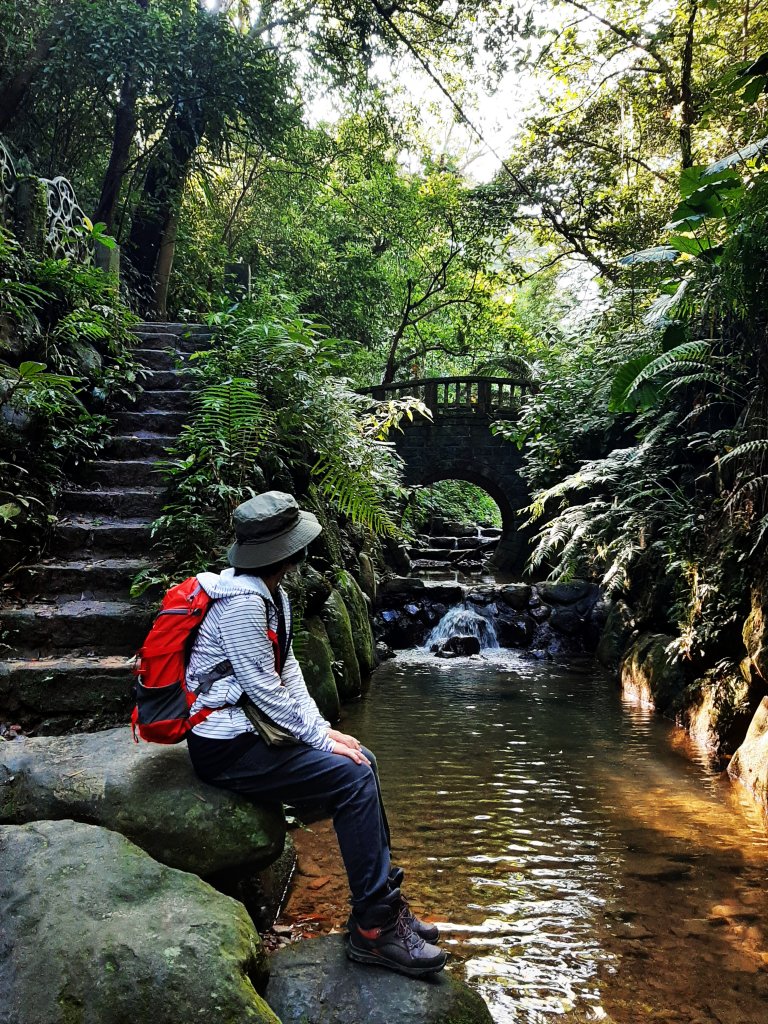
[[458, 445]]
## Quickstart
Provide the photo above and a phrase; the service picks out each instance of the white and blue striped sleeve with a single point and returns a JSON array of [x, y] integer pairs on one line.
[[243, 635]]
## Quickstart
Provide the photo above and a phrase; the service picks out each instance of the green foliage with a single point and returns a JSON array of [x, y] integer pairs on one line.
[[454, 501], [64, 338], [687, 486], [271, 413]]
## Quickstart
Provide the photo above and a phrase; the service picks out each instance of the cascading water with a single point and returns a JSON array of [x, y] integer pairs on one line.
[[463, 620]]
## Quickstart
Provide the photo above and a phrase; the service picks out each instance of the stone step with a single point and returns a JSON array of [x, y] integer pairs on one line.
[[441, 554], [66, 694], [169, 327], [91, 533], [170, 401], [163, 380], [442, 542], [81, 577], [82, 626], [431, 563], [160, 337], [139, 445], [124, 501], [158, 358], [123, 473], [161, 421]]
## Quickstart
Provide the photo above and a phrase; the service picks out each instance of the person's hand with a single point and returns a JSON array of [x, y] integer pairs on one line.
[[342, 737], [350, 752]]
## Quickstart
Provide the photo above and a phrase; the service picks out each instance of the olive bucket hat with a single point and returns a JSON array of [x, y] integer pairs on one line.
[[269, 528]]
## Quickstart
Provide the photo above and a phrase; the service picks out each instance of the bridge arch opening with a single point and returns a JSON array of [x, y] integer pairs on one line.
[[451, 500]]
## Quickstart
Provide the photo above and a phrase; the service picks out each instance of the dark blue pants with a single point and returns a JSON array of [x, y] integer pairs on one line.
[[307, 779]]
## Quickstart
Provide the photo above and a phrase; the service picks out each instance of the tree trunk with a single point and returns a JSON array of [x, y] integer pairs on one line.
[[687, 112], [122, 137], [163, 183], [165, 263], [13, 92]]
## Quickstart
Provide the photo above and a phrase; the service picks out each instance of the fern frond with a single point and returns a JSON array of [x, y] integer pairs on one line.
[[354, 494], [746, 450]]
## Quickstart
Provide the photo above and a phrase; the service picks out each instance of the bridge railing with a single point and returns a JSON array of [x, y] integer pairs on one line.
[[482, 395]]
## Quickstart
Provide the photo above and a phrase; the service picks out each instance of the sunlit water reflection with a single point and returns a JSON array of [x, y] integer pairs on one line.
[[558, 838]]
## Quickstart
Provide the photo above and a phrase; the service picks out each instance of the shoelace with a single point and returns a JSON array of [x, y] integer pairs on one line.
[[405, 929]]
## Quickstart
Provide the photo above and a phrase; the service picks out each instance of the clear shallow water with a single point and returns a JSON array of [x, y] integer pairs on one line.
[[578, 861]]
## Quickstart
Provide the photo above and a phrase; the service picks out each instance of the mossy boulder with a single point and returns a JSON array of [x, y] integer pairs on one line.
[[308, 591], [755, 634], [97, 932], [368, 583], [314, 981], [315, 655], [749, 765], [615, 635], [716, 709], [147, 792], [361, 623], [86, 359], [339, 628], [649, 675]]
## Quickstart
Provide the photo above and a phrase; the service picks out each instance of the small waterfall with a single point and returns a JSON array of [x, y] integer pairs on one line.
[[462, 620]]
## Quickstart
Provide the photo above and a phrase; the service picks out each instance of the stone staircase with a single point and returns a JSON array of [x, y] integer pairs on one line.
[[464, 549], [71, 625]]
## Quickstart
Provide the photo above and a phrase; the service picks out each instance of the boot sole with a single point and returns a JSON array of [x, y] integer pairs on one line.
[[362, 956]]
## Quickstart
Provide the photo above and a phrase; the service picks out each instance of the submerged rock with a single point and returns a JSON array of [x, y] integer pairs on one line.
[[456, 646], [100, 933], [147, 792], [314, 981], [750, 762]]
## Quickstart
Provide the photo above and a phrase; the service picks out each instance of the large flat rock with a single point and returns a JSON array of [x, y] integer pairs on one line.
[[314, 981], [93, 931], [147, 792]]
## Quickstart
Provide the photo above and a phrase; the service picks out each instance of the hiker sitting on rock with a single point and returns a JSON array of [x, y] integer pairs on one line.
[[267, 740]]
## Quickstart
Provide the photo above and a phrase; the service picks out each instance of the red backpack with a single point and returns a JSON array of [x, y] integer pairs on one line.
[[163, 699]]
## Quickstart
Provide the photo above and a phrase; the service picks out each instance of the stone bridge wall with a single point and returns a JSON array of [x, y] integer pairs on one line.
[[459, 445]]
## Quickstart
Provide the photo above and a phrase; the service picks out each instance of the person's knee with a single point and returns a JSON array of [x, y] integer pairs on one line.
[[371, 757], [357, 778]]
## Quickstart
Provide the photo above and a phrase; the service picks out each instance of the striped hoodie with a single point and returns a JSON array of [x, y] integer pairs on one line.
[[235, 629]]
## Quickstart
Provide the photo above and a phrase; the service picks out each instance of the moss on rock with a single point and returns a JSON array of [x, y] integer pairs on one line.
[[357, 608], [315, 655], [102, 934], [755, 635], [716, 710], [649, 675], [339, 628]]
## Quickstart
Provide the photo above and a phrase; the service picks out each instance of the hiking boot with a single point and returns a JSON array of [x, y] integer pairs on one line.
[[428, 932], [382, 935]]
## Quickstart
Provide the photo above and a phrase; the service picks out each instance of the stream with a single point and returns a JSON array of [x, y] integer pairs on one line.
[[581, 858]]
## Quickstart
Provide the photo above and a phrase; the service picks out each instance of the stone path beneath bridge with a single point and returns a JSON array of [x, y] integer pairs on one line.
[[72, 626]]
